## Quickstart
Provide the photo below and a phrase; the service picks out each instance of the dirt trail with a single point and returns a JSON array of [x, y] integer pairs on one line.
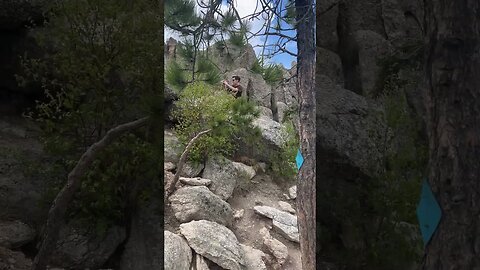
[[262, 190]]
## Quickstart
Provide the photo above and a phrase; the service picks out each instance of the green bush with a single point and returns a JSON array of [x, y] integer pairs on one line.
[[102, 67], [202, 107], [283, 165]]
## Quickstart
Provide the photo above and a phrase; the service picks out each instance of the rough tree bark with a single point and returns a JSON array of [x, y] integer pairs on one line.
[[452, 101], [60, 204], [183, 158], [306, 202]]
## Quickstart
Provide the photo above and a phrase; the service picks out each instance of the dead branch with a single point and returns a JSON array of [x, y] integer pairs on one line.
[[60, 204], [183, 158]]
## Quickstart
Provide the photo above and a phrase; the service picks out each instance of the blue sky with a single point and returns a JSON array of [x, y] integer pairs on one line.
[[247, 7]]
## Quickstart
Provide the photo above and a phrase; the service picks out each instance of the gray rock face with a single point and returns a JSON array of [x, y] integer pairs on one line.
[[199, 203], [254, 258], [192, 169], [351, 132], [281, 111], [273, 138], [195, 181], [14, 234], [371, 48], [272, 132], [172, 147], [143, 249], [200, 263], [13, 260], [283, 222], [178, 255], [215, 242], [248, 172], [80, 249], [362, 15], [401, 21], [284, 206], [330, 65], [224, 175], [327, 36], [275, 247], [265, 112], [20, 192], [259, 90], [288, 93], [169, 166], [232, 57]]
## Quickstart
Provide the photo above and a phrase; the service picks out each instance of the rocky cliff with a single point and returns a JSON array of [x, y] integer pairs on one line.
[[233, 214]]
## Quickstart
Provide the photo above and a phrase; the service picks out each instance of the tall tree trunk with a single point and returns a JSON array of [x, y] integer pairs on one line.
[[56, 214], [306, 89], [453, 110]]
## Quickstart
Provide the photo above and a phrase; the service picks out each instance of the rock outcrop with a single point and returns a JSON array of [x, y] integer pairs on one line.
[[224, 174], [14, 234], [13, 260], [215, 242], [351, 131], [144, 247], [178, 255], [199, 203], [285, 223], [79, 248]]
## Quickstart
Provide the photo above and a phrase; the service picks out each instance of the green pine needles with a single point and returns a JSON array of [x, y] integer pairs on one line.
[[102, 67], [201, 107]]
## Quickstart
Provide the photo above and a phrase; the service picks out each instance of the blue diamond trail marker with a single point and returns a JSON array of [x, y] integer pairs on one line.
[[428, 213], [299, 159]]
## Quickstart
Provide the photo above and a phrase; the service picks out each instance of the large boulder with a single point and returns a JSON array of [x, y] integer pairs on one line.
[[13, 260], [360, 15], [401, 21], [215, 242], [351, 141], [285, 223], [199, 203], [258, 90], [351, 132], [372, 47], [14, 234], [80, 248], [265, 112], [144, 248], [272, 140], [224, 174], [191, 169], [178, 255], [254, 258], [200, 263], [330, 65], [274, 247], [21, 190], [172, 147], [327, 16], [229, 57]]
